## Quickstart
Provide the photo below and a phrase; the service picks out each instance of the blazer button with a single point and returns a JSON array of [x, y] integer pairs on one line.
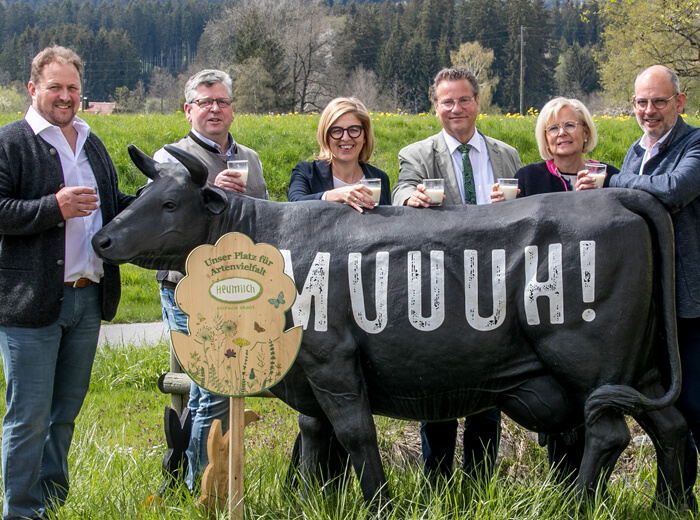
[[53, 151], [60, 262], [61, 224], [60, 186]]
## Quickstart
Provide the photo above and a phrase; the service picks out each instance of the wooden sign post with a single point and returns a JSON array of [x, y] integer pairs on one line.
[[235, 294]]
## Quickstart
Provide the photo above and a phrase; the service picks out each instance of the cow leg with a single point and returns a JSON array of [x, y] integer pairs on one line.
[[352, 421], [565, 452], [606, 439], [543, 405], [318, 452], [668, 431]]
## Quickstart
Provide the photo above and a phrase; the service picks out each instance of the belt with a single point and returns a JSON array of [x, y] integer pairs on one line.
[[168, 284], [79, 283]]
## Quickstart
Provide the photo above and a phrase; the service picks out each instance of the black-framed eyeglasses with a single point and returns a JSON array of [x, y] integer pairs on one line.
[[208, 102], [354, 131], [464, 102], [568, 127], [658, 102]]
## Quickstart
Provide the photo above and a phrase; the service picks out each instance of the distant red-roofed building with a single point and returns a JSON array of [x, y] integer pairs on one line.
[[99, 107]]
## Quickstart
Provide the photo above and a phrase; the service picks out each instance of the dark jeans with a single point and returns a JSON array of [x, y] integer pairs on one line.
[[482, 434], [689, 400]]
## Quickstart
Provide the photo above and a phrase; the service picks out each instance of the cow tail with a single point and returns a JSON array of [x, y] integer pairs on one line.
[[626, 399]]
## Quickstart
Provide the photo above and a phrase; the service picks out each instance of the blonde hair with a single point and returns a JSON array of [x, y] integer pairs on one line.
[[333, 111], [54, 54], [551, 111]]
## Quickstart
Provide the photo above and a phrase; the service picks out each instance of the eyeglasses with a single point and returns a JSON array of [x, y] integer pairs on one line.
[[354, 131], [464, 102], [568, 127], [206, 103], [658, 102]]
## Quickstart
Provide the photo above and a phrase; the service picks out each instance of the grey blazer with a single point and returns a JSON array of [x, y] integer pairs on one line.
[[673, 176], [430, 158], [32, 229]]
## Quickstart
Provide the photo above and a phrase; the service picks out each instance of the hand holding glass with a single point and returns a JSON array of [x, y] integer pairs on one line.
[[509, 187], [435, 189], [375, 186], [241, 167], [597, 171], [93, 186]]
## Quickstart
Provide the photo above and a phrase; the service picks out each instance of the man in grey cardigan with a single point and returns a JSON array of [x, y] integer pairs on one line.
[[665, 161], [469, 162], [209, 108], [58, 187]]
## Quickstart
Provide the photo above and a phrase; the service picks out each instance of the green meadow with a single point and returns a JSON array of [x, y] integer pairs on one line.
[[119, 442]]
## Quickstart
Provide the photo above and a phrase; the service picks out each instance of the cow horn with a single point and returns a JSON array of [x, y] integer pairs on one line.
[[143, 162], [197, 169]]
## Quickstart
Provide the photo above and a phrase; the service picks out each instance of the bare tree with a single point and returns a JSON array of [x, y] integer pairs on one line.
[[162, 87], [309, 31], [305, 31], [364, 85]]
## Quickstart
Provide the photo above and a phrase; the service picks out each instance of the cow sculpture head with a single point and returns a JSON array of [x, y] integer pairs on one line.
[[169, 218]]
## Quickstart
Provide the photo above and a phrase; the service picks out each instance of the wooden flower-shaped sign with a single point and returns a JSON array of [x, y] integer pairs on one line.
[[235, 294]]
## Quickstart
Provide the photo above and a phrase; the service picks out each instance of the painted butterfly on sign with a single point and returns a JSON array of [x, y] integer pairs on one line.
[[277, 301]]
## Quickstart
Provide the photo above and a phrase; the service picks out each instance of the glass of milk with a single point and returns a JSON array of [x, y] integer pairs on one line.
[[509, 187], [434, 188], [597, 171], [375, 186], [240, 166]]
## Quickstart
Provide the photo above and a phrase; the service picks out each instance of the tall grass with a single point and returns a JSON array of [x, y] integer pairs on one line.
[[118, 447]]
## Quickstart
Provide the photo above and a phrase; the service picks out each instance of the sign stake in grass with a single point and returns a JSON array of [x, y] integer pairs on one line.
[[235, 294]]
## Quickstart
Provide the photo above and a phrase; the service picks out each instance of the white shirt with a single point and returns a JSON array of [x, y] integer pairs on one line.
[[481, 166], [80, 259], [650, 150]]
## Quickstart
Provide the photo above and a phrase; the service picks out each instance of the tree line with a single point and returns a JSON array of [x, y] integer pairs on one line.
[[295, 55]]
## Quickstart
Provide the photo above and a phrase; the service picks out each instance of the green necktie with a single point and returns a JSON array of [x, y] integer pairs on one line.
[[468, 173]]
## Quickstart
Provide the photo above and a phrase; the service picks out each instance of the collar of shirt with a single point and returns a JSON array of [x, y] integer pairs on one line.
[[231, 152], [650, 150], [38, 124], [481, 166]]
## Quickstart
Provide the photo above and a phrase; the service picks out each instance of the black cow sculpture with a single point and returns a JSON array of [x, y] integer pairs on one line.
[[558, 309]]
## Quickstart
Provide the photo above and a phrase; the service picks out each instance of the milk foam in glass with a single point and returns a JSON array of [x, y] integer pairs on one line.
[[435, 189], [240, 166], [597, 171], [509, 187], [375, 186]]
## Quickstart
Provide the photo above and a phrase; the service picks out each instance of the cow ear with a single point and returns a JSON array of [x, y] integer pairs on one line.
[[215, 199], [198, 171], [143, 162]]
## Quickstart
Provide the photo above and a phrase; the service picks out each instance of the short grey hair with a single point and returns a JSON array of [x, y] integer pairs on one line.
[[207, 77], [455, 74], [672, 76]]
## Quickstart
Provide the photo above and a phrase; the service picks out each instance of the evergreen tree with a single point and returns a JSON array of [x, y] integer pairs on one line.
[[576, 73], [113, 62], [536, 67]]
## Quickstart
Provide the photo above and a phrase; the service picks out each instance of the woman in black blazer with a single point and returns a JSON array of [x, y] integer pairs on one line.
[[347, 142]]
